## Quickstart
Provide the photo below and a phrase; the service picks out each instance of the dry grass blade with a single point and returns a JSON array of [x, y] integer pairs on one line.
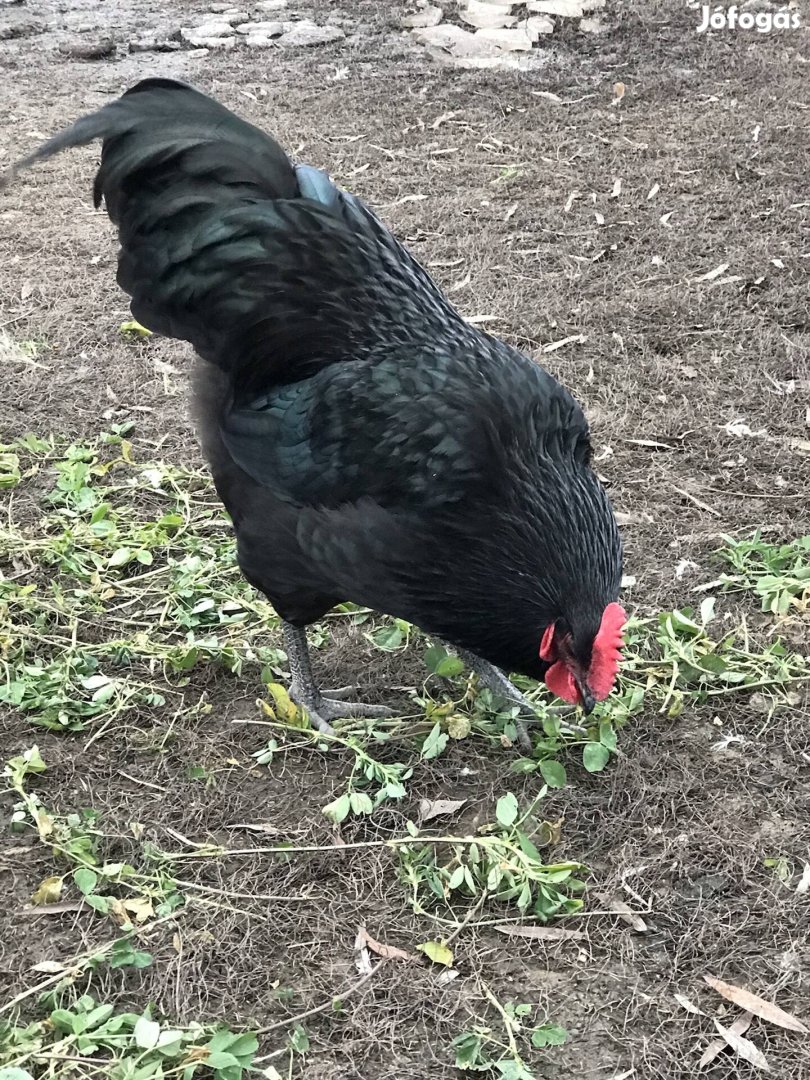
[[717, 1046], [541, 933], [744, 1047], [765, 1010]]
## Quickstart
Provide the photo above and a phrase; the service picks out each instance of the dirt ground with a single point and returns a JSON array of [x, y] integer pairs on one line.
[[510, 197]]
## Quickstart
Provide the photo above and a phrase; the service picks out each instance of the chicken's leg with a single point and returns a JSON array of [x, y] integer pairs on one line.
[[499, 684], [304, 690]]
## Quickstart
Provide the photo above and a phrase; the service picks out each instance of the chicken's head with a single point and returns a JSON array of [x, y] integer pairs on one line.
[[582, 665]]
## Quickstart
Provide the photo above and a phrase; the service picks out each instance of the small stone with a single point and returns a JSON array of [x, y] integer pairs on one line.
[[487, 16], [307, 33], [204, 37], [539, 24], [217, 9], [518, 40], [88, 50], [262, 29], [153, 44], [453, 39], [271, 5], [196, 54], [593, 26], [428, 16], [232, 16]]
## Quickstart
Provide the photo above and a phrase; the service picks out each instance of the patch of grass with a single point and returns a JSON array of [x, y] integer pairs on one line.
[[81, 1036], [779, 574], [502, 864], [503, 1049], [130, 896]]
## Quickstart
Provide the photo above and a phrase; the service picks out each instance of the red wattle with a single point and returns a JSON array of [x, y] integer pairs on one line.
[[547, 644], [560, 681]]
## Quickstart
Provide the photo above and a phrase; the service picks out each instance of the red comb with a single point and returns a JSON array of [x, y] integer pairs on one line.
[[607, 651]]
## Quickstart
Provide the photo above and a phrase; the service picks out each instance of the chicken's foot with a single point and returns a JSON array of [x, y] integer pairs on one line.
[[304, 691], [495, 680]]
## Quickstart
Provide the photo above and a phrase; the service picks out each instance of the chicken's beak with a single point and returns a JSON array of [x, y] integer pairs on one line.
[[586, 698]]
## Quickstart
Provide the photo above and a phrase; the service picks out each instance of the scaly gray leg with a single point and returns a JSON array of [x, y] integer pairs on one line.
[[495, 680], [304, 690]]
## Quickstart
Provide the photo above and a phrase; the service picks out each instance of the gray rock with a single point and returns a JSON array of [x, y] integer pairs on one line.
[[20, 29], [232, 15], [306, 33], [210, 30], [271, 5], [261, 41], [260, 29], [88, 50], [208, 37]]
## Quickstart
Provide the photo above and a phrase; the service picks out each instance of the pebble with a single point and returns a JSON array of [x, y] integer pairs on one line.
[[271, 5]]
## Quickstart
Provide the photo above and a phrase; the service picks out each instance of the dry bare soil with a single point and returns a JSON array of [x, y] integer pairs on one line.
[[556, 213]]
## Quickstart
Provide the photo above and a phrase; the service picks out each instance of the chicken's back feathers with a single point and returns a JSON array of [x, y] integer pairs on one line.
[[332, 335], [267, 268]]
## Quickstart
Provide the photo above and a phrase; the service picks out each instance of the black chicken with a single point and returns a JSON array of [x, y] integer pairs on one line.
[[368, 443]]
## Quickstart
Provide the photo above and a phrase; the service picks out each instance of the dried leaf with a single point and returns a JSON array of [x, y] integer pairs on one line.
[[387, 952], [618, 92], [540, 933], [263, 827], [685, 1003], [362, 960], [140, 908], [710, 275], [134, 327], [625, 913], [616, 190], [48, 892], [63, 907], [744, 1047], [547, 95], [437, 952], [717, 1046], [765, 1010], [804, 885], [653, 191], [48, 967], [433, 808]]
